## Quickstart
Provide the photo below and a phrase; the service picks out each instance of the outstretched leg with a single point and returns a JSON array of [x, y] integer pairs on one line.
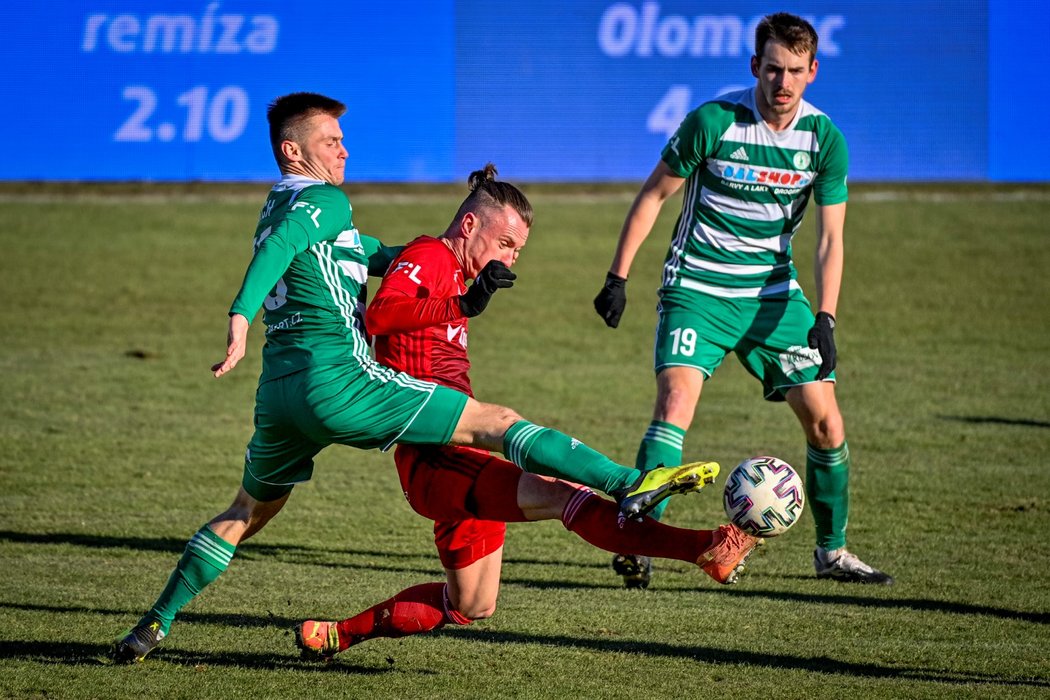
[[485, 492], [469, 593], [721, 553], [415, 610], [549, 452]]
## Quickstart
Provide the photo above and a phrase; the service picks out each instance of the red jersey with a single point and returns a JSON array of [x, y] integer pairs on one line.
[[415, 319]]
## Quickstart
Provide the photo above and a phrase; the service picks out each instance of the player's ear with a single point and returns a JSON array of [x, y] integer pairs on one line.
[[469, 224], [812, 71], [291, 151], [754, 66]]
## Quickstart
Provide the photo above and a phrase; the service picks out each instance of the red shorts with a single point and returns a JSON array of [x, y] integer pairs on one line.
[[439, 483]]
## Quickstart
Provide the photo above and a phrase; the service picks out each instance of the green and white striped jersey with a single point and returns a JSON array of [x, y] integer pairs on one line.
[[746, 190], [309, 272]]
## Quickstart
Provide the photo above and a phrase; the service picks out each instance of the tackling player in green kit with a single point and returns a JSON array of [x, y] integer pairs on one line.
[[749, 161], [319, 384]]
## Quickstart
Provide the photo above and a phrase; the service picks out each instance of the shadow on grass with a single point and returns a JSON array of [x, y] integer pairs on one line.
[[74, 654], [942, 606], [999, 420], [175, 546], [78, 653], [293, 553], [920, 604], [315, 556], [226, 619], [819, 664]]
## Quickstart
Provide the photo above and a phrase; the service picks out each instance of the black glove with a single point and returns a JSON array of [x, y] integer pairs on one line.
[[611, 301], [495, 275], [822, 337]]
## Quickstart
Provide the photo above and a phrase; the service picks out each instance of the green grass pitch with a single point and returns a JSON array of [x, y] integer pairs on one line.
[[116, 444]]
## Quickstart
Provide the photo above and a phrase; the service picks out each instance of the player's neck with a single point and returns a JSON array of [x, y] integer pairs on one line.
[[454, 245]]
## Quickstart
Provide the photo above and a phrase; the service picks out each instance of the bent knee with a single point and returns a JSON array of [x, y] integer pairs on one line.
[[501, 417], [484, 425], [243, 508], [478, 611], [544, 497], [827, 433]]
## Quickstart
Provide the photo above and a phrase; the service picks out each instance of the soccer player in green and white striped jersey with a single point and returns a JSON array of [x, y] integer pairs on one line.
[[320, 385], [750, 161]]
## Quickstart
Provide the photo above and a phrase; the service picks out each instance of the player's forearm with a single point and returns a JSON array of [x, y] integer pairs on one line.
[[636, 228], [661, 184], [828, 268], [830, 256], [400, 314]]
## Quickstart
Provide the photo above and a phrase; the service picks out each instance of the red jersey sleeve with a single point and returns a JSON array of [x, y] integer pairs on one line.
[[415, 292], [415, 316], [398, 313]]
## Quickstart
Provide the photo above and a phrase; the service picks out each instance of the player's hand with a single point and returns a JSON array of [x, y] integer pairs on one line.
[[236, 342], [822, 337], [495, 275], [612, 300]]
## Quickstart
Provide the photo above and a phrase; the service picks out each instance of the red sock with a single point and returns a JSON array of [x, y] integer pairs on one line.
[[595, 520], [414, 610]]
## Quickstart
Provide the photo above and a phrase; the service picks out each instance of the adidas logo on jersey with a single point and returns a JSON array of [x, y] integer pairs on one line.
[[739, 154]]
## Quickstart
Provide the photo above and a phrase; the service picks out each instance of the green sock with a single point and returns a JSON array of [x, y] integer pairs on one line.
[[827, 489], [206, 556], [548, 452], [661, 444]]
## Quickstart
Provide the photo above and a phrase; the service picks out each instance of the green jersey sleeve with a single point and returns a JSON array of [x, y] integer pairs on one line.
[[695, 138], [379, 256], [829, 185], [318, 214]]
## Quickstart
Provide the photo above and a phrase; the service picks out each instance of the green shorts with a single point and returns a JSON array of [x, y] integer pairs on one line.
[[298, 415], [768, 335]]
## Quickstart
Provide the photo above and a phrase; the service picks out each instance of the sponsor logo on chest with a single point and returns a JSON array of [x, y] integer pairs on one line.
[[749, 175], [457, 334]]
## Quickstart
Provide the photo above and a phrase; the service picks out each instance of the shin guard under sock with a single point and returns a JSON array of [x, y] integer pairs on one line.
[[551, 453]]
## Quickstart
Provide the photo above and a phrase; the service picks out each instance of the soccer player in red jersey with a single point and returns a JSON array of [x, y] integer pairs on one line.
[[419, 323]]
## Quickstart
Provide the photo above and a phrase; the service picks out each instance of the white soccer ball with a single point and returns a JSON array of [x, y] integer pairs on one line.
[[764, 496]]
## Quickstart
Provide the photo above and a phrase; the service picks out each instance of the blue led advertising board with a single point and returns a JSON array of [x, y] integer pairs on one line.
[[548, 90]]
